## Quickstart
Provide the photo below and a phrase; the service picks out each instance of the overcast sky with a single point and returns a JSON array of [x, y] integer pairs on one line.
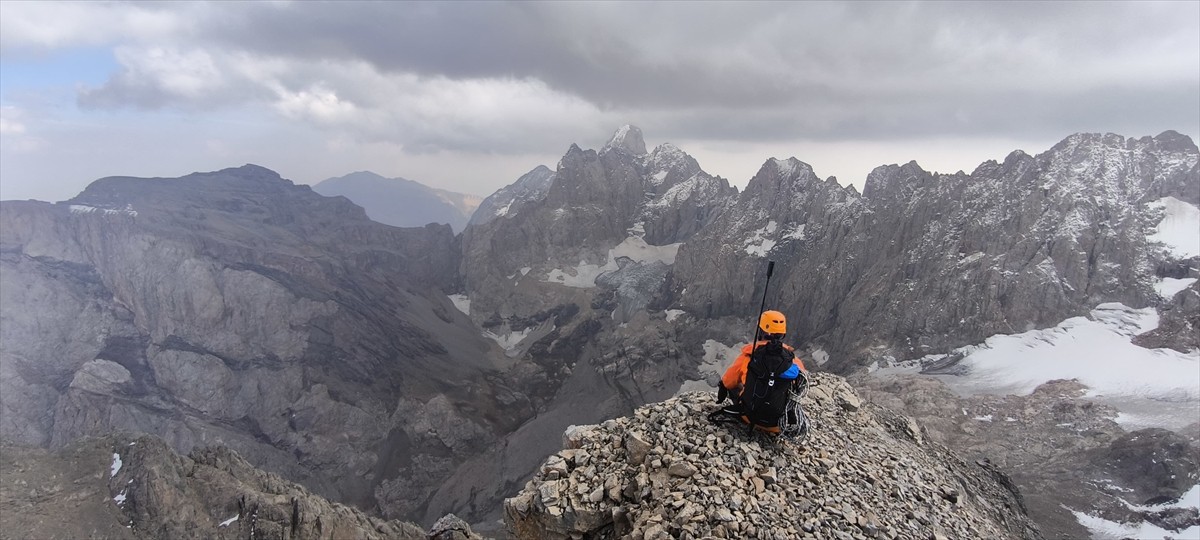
[[468, 96]]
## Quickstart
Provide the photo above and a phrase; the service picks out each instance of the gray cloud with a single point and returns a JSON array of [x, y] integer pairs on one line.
[[527, 77], [873, 69]]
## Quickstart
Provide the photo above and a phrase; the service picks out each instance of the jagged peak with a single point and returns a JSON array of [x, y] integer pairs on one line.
[[881, 177], [628, 138], [1173, 140], [667, 149], [786, 168]]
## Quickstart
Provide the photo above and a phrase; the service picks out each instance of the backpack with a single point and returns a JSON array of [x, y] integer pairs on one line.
[[769, 378]]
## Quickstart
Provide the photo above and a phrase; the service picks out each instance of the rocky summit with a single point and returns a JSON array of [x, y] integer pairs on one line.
[[667, 471]]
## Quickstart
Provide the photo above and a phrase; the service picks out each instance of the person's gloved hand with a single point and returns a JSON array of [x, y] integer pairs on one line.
[[722, 392]]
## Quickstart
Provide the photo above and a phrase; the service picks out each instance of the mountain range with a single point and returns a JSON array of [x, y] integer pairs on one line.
[[415, 372]]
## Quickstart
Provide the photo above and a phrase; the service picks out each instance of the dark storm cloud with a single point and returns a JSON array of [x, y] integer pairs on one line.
[[874, 67], [748, 71]]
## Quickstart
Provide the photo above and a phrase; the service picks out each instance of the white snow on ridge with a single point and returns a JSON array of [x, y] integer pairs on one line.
[[1159, 386], [673, 314], [1180, 227], [228, 521], [1169, 287], [786, 167]]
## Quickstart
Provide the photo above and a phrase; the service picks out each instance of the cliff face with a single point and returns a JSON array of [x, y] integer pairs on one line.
[[236, 307], [667, 472]]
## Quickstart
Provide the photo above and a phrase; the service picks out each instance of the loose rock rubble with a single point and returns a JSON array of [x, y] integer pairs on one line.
[[668, 472]]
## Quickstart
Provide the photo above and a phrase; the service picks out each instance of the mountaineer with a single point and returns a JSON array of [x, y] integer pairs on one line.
[[762, 380]]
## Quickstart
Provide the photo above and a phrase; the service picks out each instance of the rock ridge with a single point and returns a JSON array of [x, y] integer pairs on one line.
[[125, 487], [668, 472]]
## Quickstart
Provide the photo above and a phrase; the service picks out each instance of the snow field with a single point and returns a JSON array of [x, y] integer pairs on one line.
[[1096, 350]]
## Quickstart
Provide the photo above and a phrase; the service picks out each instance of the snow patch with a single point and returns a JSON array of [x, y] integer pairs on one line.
[[820, 356], [795, 232], [635, 248], [116, 465], [1191, 499], [786, 167], [462, 302], [984, 418], [228, 521], [120, 498], [501, 212], [1179, 228], [971, 258], [1169, 287], [673, 314], [759, 244], [84, 209], [658, 177], [510, 340], [1097, 350], [1104, 529], [717, 355], [582, 276], [698, 187]]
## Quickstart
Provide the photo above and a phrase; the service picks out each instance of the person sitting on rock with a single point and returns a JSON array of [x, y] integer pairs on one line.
[[759, 380]]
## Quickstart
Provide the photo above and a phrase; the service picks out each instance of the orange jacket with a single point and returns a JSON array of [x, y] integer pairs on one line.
[[735, 377]]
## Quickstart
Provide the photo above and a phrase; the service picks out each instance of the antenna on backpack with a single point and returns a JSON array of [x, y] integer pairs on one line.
[[763, 306]]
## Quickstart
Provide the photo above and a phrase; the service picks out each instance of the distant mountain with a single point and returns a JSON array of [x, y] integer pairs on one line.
[[400, 202]]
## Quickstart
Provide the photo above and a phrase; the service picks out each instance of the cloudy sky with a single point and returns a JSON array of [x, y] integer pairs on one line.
[[468, 96]]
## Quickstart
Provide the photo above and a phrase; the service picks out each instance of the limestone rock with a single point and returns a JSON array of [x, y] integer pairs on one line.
[[138, 488], [850, 477]]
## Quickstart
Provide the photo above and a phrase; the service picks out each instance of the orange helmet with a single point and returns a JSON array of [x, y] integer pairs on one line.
[[772, 322]]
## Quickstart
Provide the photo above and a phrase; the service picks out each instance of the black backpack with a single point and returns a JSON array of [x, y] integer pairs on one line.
[[765, 397]]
